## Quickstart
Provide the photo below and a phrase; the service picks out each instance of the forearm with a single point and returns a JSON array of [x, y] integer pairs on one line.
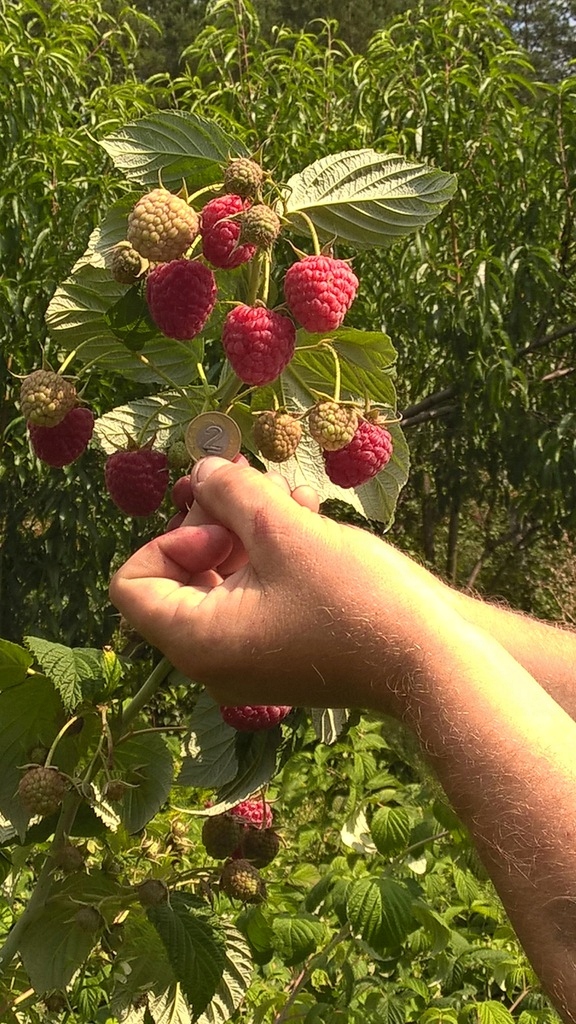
[[546, 651], [504, 752]]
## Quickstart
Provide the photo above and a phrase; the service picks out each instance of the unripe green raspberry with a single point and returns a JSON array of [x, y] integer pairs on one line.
[[241, 881], [162, 226], [277, 435], [259, 225], [46, 398], [243, 177], [221, 835], [332, 425], [178, 456], [126, 265], [42, 790]]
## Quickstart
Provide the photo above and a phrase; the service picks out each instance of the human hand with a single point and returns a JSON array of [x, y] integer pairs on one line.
[[313, 617], [190, 513]]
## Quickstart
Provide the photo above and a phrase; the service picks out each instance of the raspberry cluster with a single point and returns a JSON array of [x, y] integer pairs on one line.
[[175, 250], [244, 837]]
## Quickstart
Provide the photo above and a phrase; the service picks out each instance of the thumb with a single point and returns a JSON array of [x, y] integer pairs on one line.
[[247, 502]]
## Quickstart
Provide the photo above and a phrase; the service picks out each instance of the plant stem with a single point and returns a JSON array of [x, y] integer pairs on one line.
[[228, 391], [146, 691]]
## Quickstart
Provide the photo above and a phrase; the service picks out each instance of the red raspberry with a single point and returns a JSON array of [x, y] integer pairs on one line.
[[256, 812], [253, 719], [258, 342], [137, 480], [319, 291], [180, 296], [220, 234], [60, 445], [365, 455]]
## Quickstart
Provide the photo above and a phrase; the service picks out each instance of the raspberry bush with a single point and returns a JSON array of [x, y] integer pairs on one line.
[[221, 291]]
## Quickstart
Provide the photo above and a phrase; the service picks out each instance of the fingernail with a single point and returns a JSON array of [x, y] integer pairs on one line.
[[204, 468]]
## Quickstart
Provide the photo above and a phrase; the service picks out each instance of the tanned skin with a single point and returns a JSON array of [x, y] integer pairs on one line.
[[264, 601]]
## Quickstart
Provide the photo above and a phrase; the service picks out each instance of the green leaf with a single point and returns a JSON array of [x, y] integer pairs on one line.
[[162, 417], [169, 1007], [355, 833], [257, 760], [141, 945], [329, 723], [433, 924], [76, 318], [14, 664], [493, 1013], [366, 198], [296, 936], [209, 748], [173, 145], [439, 1015], [366, 359], [53, 946], [145, 762], [129, 320], [235, 981], [29, 714], [196, 947], [76, 672], [257, 929], [390, 830], [380, 911]]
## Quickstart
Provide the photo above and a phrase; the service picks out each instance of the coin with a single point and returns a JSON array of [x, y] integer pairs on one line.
[[213, 433]]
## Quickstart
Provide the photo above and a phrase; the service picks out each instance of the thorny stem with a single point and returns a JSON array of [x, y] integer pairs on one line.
[[203, 191]]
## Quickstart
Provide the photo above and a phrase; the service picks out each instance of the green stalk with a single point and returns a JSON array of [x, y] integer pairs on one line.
[[146, 691]]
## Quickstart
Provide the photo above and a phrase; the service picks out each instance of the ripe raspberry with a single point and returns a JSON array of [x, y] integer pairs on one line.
[[241, 881], [137, 480], [256, 812], [258, 343], [277, 435], [42, 790], [259, 846], [180, 296], [332, 425], [220, 234], [243, 177], [260, 226], [161, 226], [153, 892], [367, 453], [254, 719], [221, 835], [126, 265], [319, 291], [46, 398], [60, 445]]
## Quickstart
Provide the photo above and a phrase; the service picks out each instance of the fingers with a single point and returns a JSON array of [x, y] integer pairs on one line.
[[306, 497], [251, 504], [179, 556]]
